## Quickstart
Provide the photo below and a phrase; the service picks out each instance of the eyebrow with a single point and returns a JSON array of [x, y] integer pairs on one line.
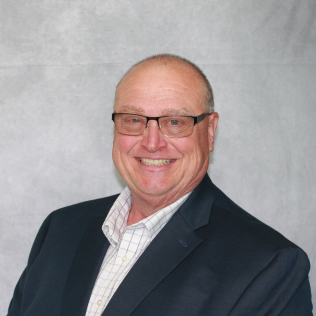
[[182, 111], [132, 109], [165, 111]]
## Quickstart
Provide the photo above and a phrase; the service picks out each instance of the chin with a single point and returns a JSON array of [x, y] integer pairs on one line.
[[153, 187]]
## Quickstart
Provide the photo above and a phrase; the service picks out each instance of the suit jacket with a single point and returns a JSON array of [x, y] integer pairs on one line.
[[212, 258]]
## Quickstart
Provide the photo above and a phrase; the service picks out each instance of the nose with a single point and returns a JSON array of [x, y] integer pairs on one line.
[[153, 139]]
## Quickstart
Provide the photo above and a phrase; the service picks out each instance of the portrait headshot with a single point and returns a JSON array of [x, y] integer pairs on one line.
[[158, 159]]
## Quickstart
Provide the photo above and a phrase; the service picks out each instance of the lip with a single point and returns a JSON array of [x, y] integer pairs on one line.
[[158, 166]]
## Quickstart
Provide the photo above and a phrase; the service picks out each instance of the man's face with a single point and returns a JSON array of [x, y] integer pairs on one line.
[[154, 91]]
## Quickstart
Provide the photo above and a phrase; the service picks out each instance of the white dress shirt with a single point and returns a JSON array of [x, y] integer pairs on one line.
[[127, 243]]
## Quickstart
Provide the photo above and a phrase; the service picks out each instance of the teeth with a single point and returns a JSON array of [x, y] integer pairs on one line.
[[155, 162]]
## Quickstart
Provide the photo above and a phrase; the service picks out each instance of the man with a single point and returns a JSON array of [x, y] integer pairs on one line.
[[171, 243]]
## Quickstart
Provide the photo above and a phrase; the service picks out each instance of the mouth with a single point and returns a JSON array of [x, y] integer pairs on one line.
[[155, 162]]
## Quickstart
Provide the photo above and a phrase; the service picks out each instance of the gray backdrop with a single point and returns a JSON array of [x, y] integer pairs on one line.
[[60, 62]]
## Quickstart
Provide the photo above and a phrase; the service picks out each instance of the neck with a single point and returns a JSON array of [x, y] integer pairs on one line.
[[142, 209], [145, 207]]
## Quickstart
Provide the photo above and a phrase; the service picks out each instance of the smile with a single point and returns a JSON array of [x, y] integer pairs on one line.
[[154, 162]]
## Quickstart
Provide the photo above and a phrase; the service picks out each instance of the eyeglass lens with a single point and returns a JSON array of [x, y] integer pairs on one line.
[[172, 126]]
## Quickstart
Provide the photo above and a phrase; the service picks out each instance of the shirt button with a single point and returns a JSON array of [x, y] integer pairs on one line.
[[124, 258], [100, 302]]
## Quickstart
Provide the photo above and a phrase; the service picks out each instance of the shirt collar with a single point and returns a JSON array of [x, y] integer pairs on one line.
[[116, 220], [158, 220]]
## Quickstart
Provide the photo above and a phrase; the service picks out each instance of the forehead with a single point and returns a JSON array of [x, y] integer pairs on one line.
[[163, 110], [163, 90]]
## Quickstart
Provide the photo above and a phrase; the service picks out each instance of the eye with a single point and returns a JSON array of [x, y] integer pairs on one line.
[[174, 122], [135, 120]]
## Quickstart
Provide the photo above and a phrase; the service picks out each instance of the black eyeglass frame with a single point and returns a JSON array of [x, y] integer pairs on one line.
[[196, 119]]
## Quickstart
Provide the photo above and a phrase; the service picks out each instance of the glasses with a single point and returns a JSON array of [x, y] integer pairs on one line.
[[170, 126]]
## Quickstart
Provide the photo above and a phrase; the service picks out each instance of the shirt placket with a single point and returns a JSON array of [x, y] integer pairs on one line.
[[100, 294], [127, 250]]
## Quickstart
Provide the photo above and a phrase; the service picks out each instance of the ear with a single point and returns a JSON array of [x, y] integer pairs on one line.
[[213, 120]]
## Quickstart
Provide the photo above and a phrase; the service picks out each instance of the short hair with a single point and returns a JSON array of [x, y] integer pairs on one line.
[[164, 59]]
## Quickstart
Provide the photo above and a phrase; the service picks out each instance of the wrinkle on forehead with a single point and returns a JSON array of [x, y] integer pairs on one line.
[[131, 86], [163, 112]]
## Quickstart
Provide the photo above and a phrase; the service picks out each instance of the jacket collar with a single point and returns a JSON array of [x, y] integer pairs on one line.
[[174, 242], [201, 201]]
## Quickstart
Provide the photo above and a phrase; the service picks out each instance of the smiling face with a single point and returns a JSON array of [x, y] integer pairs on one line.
[[153, 165]]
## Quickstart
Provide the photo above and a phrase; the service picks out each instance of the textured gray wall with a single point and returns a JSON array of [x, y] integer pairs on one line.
[[60, 62]]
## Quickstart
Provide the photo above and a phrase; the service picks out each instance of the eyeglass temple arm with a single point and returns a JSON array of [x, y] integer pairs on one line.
[[201, 117]]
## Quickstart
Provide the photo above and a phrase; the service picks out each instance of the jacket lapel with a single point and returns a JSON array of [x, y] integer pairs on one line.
[[175, 241], [84, 269]]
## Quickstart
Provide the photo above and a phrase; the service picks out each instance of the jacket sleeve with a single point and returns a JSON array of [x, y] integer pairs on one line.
[[300, 303], [15, 305], [280, 289]]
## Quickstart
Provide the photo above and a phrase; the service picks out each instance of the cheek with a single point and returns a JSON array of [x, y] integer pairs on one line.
[[194, 150], [202, 140], [122, 146], [196, 145], [189, 149], [118, 150]]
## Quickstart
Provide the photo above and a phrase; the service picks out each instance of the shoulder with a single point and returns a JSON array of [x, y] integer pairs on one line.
[[248, 253], [67, 224], [250, 242], [248, 228], [84, 210], [75, 218]]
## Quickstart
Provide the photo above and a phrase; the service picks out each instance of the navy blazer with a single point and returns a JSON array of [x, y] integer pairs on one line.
[[212, 258]]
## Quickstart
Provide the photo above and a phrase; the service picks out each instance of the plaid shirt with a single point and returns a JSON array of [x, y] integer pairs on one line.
[[127, 243]]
